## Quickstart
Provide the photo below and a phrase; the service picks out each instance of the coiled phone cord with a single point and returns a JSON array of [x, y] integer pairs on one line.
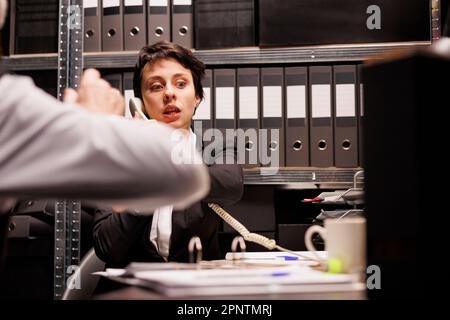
[[254, 237]]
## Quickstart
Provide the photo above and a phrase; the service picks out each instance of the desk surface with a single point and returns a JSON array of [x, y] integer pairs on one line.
[[136, 293], [159, 284]]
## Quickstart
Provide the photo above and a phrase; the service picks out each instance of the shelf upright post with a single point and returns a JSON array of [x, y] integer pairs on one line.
[[435, 9], [68, 212]]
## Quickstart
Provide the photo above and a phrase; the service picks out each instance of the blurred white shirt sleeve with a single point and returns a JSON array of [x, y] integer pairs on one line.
[[54, 150]]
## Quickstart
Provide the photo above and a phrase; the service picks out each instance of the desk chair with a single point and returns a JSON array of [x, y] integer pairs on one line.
[[4, 222], [5, 209], [89, 264]]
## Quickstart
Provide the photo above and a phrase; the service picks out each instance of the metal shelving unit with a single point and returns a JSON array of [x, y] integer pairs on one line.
[[250, 56], [302, 177], [29, 62], [294, 177], [240, 56]]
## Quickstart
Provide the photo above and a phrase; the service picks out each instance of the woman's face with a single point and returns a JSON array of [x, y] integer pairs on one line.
[[168, 93]]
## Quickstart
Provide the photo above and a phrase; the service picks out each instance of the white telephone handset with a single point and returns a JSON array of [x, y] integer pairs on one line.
[[254, 237], [136, 105]]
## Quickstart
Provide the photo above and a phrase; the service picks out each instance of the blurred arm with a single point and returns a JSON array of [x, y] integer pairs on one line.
[[54, 150]]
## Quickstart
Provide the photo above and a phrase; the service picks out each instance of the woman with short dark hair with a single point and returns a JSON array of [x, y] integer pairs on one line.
[[167, 78]]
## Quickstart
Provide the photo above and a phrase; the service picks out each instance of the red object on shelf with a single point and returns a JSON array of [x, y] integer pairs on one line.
[[316, 199]]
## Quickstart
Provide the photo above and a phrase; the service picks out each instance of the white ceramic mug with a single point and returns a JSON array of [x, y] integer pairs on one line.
[[345, 243]]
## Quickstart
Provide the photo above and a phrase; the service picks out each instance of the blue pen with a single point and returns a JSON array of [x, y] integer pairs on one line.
[[280, 274], [288, 258]]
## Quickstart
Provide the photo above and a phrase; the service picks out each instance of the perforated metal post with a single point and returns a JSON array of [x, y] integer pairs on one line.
[[435, 19], [68, 212]]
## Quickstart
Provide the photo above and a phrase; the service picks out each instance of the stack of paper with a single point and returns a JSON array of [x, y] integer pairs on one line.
[[291, 279], [240, 273]]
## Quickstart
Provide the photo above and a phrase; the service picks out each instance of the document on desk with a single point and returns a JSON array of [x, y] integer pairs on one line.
[[255, 273], [303, 257], [134, 267], [291, 279]]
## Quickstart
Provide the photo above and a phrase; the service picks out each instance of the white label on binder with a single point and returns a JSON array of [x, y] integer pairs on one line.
[[296, 101], [224, 103], [345, 100], [321, 101], [90, 4], [182, 2], [157, 3], [111, 3], [204, 108], [361, 99], [248, 102], [129, 3], [272, 102]]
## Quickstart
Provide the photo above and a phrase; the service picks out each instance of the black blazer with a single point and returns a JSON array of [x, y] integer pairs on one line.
[[120, 238]]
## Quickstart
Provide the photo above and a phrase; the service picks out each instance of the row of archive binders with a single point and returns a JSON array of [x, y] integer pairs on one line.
[[310, 116], [130, 24], [109, 25]]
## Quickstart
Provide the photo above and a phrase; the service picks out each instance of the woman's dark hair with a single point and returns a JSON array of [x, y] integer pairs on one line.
[[164, 50]]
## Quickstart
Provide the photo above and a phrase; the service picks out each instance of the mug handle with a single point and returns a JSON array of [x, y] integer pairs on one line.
[[308, 238]]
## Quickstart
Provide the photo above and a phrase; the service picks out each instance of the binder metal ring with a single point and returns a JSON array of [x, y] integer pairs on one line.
[[249, 145], [159, 31], [183, 30], [111, 32], [346, 144], [322, 145], [297, 145], [134, 31], [195, 246], [273, 145], [89, 34], [237, 240]]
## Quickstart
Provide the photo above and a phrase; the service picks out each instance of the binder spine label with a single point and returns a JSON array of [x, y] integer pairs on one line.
[[133, 3], [345, 100], [321, 101], [248, 102], [224, 103], [296, 105], [157, 3], [90, 4], [272, 101], [182, 2], [111, 3]]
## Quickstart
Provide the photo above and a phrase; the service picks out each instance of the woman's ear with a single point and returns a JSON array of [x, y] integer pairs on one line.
[[197, 101]]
